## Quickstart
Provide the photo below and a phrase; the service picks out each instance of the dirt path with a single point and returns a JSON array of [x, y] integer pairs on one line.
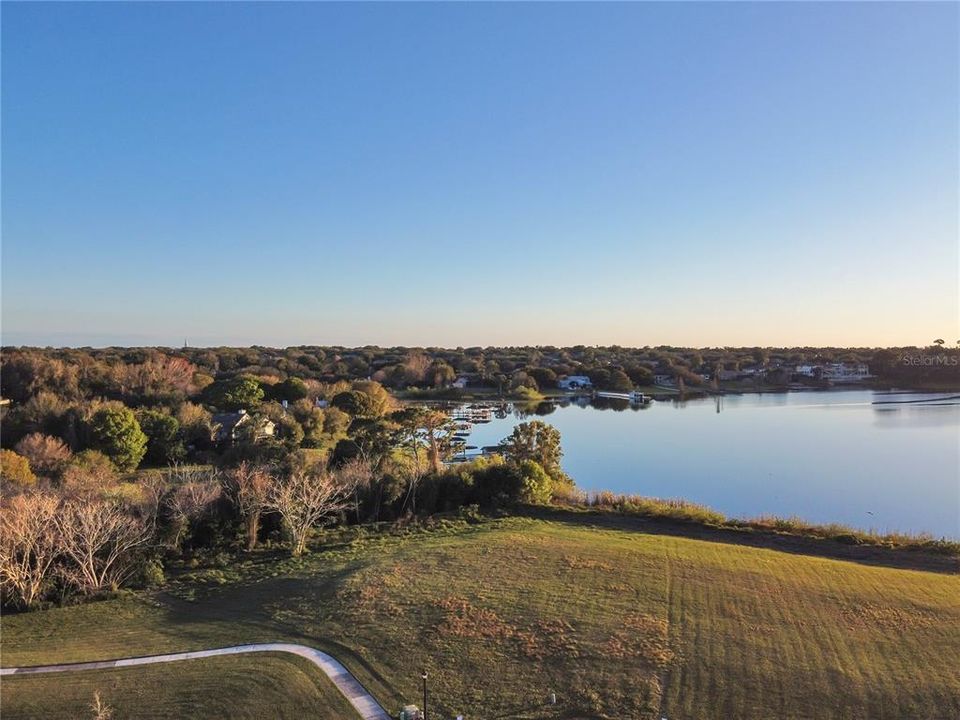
[[364, 703]]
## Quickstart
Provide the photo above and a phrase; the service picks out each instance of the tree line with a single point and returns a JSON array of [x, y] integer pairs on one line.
[[104, 491], [60, 540], [162, 375]]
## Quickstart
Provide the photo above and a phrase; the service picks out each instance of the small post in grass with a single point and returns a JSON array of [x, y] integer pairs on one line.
[[424, 676]]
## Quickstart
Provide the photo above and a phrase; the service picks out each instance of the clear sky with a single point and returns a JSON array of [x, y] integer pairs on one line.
[[473, 174]]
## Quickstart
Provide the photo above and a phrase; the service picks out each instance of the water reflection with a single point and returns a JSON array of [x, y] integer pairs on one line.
[[849, 456]]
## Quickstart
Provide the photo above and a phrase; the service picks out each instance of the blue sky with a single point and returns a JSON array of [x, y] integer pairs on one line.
[[472, 174]]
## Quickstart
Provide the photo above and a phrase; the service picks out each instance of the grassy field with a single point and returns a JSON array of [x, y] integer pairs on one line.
[[616, 622], [266, 685]]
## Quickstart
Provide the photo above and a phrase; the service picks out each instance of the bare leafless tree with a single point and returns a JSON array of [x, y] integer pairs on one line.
[[152, 490], [181, 474], [47, 454], [416, 366], [305, 501], [412, 474], [29, 545], [189, 502], [100, 538], [357, 474], [90, 473], [248, 487]]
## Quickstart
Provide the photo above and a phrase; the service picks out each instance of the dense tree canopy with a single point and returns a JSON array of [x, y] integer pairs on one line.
[[535, 441], [353, 403], [237, 393], [290, 390], [153, 376], [114, 431], [164, 443], [619, 382]]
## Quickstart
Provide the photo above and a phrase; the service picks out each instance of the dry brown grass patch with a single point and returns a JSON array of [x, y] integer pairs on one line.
[[369, 596], [464, 620], [873, 615], [575, 562], [552, 637], [643, 637]]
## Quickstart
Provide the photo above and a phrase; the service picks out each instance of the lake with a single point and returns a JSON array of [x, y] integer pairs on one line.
[[886, 461]]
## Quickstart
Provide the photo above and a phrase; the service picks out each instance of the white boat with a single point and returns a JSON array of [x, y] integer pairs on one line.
[[472, 414], [634, 396]]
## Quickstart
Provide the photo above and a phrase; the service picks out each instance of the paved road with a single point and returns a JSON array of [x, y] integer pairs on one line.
[[363, 701]]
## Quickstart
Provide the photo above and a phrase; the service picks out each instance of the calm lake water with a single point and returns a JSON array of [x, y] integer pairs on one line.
[[874, 460]]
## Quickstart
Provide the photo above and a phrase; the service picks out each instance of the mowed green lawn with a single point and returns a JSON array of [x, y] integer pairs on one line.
[[265, 685], [615, 622]]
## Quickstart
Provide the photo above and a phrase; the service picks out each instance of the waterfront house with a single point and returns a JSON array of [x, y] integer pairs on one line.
[[836, 372], [844, 373], [231, 426], [574, 382]]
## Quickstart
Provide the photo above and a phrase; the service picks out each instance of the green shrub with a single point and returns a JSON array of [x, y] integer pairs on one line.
[[471, 513], [497, 485], [537, 484], [15, 469], [152, 574]]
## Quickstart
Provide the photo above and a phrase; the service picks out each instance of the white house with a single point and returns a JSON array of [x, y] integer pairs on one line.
[[574, 382], [836, 372], [460, 383], [843, 373]]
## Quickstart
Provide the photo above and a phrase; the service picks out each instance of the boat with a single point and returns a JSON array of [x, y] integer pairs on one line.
[[635, 396], [472, 414]]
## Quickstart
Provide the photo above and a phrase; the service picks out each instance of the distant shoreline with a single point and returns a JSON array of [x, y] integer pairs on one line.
[[658, 393]]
